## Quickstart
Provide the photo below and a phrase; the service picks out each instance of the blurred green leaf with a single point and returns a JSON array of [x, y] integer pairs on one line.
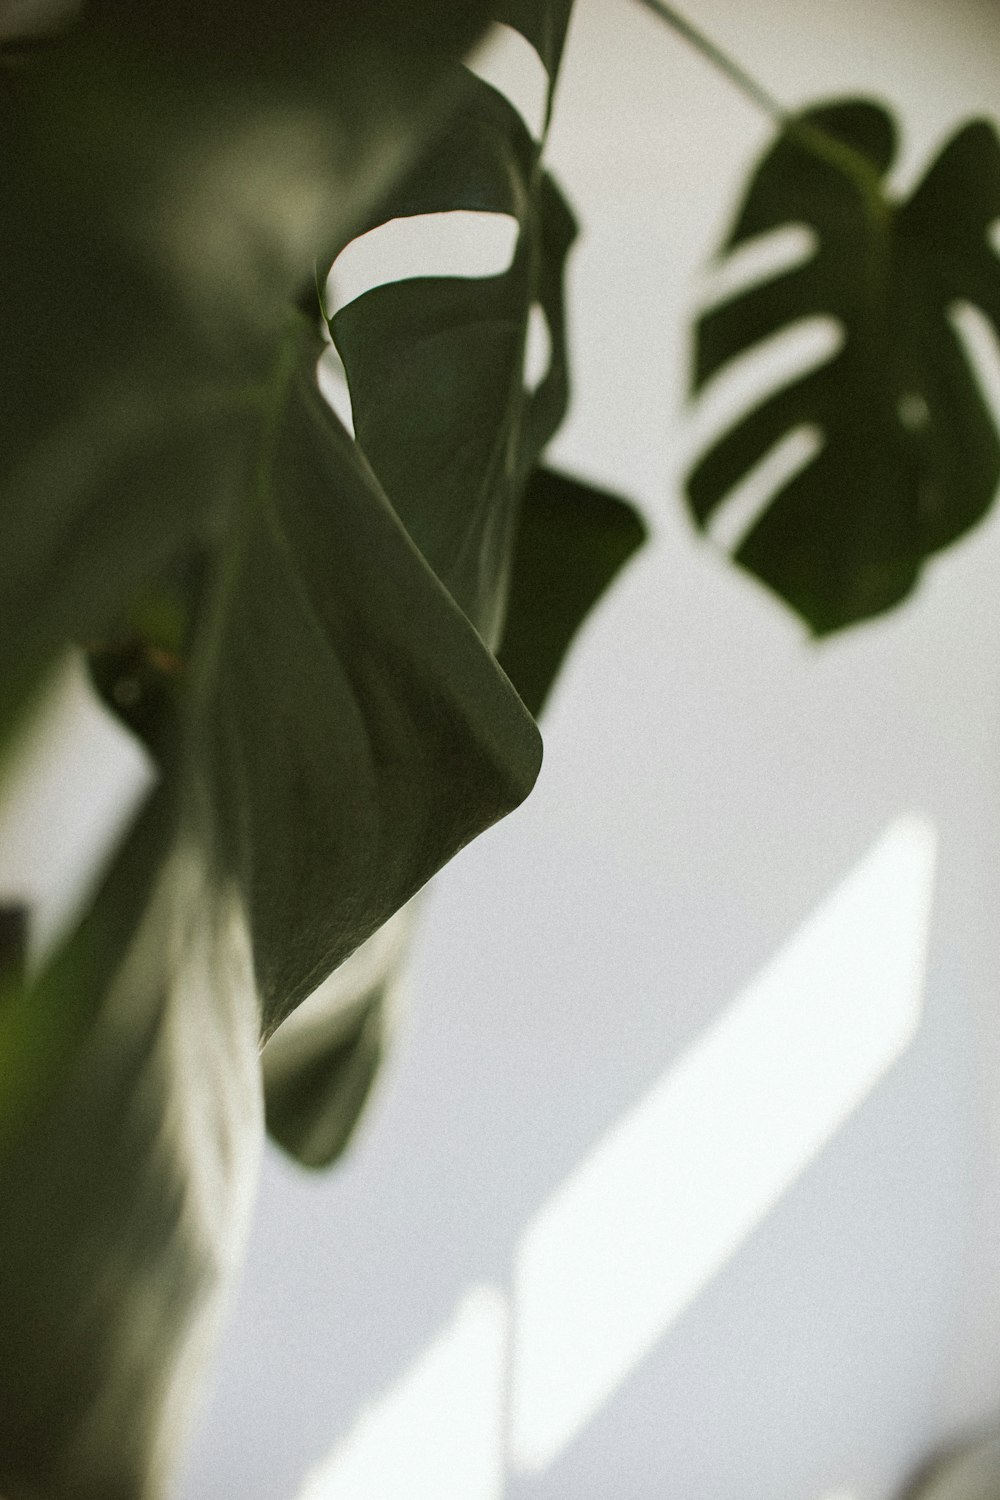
[[129, 1133], [170, 178], [258, 477], [909, 457], [968, 1468], [572, 541]]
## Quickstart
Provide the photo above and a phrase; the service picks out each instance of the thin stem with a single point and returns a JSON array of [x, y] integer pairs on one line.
[[697, 39]]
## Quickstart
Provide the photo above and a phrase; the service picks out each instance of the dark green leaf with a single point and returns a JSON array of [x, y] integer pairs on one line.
[[389, 737], [572, 541], [175, 494], [435, 369], [319, 1066], [435, 364], [909, 457], [147, 447]]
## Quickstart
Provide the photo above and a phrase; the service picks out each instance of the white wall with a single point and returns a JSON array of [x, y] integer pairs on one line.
[[710, 778]]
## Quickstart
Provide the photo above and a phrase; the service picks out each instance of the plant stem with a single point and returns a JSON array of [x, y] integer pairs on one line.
[[753, 90]]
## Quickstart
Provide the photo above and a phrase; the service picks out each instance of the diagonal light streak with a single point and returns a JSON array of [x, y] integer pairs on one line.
[[437, 1433], [675, 1187], [666, 1198]]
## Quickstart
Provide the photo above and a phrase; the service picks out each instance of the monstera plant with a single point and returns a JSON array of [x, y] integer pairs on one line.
[[334, 645]]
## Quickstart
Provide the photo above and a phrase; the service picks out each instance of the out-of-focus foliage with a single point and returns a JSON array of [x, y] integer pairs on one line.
[[908, 457]]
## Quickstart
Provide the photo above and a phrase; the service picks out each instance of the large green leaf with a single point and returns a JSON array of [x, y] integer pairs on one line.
[[257, 476], [391, 738], [909, 457], [328, 725], [320, 1065], [435, 364], [169, 177], [435, 368]]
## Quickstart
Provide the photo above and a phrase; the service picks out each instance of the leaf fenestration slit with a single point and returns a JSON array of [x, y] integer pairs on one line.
[[507, 61], [751, 402], [537, 349], [981, 346], [460, 242], [735, 517], [755, 261]]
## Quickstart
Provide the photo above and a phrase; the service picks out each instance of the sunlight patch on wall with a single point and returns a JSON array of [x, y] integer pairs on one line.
[[438, 1433], [677, 1185], [71, 788]]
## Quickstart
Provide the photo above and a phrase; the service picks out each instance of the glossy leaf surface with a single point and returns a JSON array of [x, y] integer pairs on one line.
[[909, 458]]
